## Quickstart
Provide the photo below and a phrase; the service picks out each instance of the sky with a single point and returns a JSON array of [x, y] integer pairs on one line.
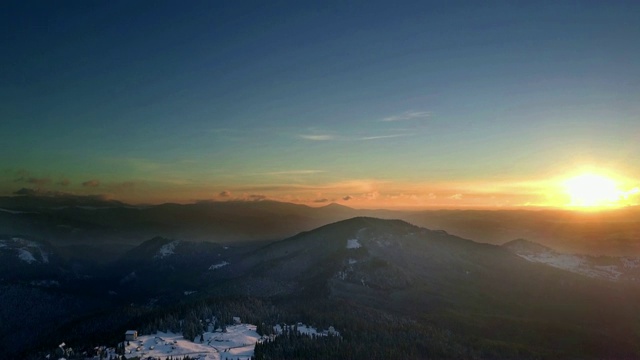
[[369, 104]]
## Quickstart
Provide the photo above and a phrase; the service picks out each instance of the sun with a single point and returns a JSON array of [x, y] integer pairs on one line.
[[592, 191]]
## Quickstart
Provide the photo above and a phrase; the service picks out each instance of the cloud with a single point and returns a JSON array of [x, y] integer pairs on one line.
[[408, 115], [347, 198], [91, 183], [64, 182], [224, 194], [350, 137], [324, 137], [365, 138], [321, 200], [256, 197], [294, 172], [456, 197], [372, 195]]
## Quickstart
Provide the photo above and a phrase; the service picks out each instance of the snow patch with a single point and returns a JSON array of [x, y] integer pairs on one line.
[[630, 263], [352, 261], [167, 249], [26, 256], [305, 330], [353, 244], [578, 264], [218, 265], [237, 343], [44, 256]]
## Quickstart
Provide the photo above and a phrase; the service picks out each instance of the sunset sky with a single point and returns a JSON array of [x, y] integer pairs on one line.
[[365, 103]]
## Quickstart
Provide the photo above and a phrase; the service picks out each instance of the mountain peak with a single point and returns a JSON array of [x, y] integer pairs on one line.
[[334, 205]]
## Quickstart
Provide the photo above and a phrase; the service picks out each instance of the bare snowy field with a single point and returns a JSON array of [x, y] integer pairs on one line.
[[237, 343]]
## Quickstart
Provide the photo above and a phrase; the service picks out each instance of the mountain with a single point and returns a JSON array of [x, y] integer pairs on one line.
[[93, 224], [160, 266], [29, 199], [483, 291], [357, 274], [126, 226], [23, 259]]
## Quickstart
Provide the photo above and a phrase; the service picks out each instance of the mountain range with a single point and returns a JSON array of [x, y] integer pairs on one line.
[[509, 294]]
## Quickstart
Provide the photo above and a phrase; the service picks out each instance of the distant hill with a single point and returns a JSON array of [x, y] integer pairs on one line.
[[94, 221], [29, 260], [222, 222]]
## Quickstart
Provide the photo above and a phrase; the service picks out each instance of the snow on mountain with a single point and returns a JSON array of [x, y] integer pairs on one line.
[[167, 249], [578, 264], [26, 256], [26, 250], [353, 244], [630, 263], [218, 265], [608, 268]]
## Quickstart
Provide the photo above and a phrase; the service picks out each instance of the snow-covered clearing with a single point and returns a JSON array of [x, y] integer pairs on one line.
[[353, 244], [167, 249], [237, 343]]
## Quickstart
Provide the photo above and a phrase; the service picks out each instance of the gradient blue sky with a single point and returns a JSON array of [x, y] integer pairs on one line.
[[410, 103]]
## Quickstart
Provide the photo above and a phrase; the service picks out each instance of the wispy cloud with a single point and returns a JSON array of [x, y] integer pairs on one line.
[[293, 172], [91, 183], [349, 138], [408, 115], [324, 137], [366, 138]]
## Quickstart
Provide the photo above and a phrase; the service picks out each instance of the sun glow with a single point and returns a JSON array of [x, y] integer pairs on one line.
[[593, 191]]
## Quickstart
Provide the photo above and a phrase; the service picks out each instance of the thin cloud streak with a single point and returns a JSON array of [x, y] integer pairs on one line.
[[293, 172], [409, 115], [366, 138], [350, 138], [318, 137]]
